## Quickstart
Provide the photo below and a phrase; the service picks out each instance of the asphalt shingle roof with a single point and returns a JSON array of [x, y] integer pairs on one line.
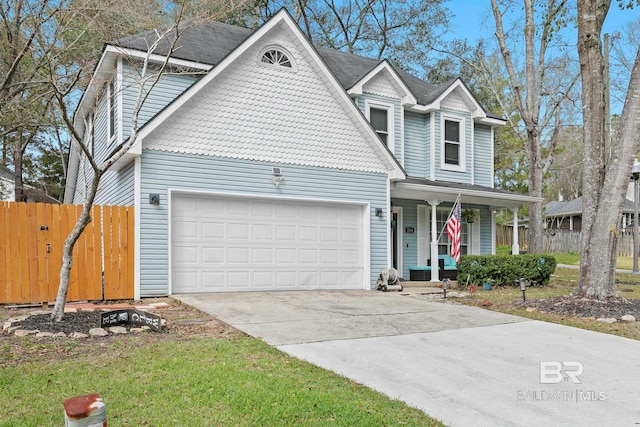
[[211, 42], [572, 207]]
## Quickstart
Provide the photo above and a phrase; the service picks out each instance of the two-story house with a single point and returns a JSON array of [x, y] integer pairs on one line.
[[265, 163]]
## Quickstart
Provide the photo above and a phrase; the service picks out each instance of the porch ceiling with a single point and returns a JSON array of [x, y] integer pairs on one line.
[[424, 189]]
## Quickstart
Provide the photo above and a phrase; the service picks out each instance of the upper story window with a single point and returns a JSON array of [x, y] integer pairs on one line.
[[453, 144], [277, 57], [381, 118]]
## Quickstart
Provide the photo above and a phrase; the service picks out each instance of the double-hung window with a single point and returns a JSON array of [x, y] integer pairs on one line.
[[453, 144], [381, 118]]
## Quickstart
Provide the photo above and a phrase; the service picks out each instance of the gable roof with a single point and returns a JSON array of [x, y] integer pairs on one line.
[[386, 158], [574, 207], [349, 69]]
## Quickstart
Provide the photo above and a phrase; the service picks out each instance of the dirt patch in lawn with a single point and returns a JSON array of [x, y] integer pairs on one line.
[[586, 308], [183, 322]]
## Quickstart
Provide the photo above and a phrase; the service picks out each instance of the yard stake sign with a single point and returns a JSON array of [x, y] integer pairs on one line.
[[130, 317]]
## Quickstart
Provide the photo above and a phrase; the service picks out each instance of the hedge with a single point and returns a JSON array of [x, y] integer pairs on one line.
[[506, 269]]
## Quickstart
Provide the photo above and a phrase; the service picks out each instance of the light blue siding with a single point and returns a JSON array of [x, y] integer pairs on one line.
[[485, 230], [117, 187], [397, 121], [409, 240], [169, 87], [417, 145], [483, 156], [447, 175], [162, 170]]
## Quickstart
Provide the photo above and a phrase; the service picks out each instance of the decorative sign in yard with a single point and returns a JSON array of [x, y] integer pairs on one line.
[[130, 317]]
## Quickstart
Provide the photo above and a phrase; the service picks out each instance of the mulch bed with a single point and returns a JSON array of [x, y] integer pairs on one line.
[[80, 321], [585, 307]]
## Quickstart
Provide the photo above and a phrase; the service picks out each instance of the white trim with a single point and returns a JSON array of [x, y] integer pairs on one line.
[[402, 145], [407, 98], [462, 155], [432, 138], [472, 145], [154, 58], [111, 98], [292, 69], [493, 143], [137, 203], [389, 108], [423, 233], [120, 103], [400, 239], [366, 242], [394, 169], [493, 232], [366, 225]]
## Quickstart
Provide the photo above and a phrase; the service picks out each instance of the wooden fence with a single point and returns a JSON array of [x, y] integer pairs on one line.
[[560, 241], [31, 241]]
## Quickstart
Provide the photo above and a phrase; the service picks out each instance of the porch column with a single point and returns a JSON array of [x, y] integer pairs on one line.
[[435, 274], [515, 248]]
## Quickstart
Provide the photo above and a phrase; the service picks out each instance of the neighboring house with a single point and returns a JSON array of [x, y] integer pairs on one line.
[[561, 215], [275, 164], [8, 193]]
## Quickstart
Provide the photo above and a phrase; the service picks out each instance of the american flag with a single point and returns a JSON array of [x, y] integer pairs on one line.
[[453, 231]]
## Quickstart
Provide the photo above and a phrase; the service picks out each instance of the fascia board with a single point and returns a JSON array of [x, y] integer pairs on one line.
[[357, 89], [155, 58], [212, 74], [510, 199], [281, 16]]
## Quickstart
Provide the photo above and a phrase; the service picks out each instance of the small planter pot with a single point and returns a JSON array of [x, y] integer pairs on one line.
[[487, 286]]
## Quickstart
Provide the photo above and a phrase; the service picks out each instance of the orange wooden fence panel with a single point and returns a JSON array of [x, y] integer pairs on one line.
[[32, 238]]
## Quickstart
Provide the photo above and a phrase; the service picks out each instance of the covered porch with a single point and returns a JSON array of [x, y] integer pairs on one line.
[[419, 212]]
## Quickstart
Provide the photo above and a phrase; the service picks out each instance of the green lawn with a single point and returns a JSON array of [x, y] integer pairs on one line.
[[563, 282], [625, 263], [197, 382]]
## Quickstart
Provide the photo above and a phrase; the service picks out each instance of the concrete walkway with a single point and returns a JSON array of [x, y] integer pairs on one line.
[[464, 365]]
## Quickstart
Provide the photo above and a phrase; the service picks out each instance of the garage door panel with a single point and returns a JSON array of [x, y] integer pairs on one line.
[[238, 231], [212, 230], [212, 255], [285, 232], [262, 232], [262, 256], [238, 255], [329, 234], [227, 243]]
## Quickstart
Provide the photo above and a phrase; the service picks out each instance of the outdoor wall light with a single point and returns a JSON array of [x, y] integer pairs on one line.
[[523, 287], [379, 212], [276, 176], [154, 199]]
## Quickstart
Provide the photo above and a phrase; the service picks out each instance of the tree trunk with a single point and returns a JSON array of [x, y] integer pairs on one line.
[[604, 182], [17, 168], [67, 251], [536, 241]]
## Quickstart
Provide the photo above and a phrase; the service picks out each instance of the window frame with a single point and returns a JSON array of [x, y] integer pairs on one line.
[[111, 112], [461, 166], [292, 68], [390, 109], [444, 243]]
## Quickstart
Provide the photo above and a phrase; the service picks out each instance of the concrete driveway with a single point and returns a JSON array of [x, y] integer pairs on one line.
[[463, 365]]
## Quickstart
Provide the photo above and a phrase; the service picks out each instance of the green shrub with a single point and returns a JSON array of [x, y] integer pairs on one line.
[[506, 269]]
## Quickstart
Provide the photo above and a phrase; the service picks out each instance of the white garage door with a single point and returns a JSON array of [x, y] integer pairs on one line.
[[222, 243]]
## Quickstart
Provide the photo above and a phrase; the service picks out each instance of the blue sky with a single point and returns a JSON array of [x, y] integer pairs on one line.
[[473, 18]]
